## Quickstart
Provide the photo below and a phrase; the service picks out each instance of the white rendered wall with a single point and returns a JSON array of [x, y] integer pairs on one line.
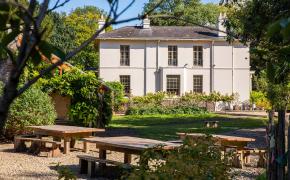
[[230, 71]]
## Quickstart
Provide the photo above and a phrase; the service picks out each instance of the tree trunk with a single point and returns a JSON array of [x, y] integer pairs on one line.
[[281, 144], [9, 94], [271, 146]]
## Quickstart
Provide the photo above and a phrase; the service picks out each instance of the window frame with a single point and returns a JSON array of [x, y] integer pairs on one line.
[[127, 85], [197, 56], [172, 55], [124, 55], [197, 86], [177, 87]]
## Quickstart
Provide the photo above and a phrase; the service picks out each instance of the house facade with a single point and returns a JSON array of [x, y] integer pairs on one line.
[[175, 59]]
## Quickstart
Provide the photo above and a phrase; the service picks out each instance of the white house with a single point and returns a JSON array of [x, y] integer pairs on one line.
[[176, 59]]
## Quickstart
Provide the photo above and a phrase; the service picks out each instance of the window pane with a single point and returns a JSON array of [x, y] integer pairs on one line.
[[172, 55], [198, 83], [124, 55], [197, 55], [125, 80], [173, 84]]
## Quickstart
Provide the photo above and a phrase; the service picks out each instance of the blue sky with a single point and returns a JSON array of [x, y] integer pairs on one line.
[[134, 10]]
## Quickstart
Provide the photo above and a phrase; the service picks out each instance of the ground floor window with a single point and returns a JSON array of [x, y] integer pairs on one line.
[[198, 83], [126, 81], [173, 84]]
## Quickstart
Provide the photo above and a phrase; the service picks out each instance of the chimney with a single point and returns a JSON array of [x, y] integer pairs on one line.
[[220, 25], [101, 23], [146, 23]]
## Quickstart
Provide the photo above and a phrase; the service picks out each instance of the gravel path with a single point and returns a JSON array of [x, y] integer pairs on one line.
[[23, 166]]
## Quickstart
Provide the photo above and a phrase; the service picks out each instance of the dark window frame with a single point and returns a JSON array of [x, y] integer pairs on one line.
[[198, 56], [124, 55], [125, 80], [198, 83], [172, 55], [171, 86]]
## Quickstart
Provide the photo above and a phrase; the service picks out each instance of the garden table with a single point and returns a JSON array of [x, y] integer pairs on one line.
[[238, 143], [65, 132], [126, 144]]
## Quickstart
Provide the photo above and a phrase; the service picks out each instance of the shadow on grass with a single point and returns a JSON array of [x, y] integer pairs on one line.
[[165, 127]]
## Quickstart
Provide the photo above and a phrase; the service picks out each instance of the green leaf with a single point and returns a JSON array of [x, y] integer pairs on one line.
[[274, 29]]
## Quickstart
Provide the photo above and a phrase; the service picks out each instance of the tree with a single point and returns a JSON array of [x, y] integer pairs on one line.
[[186, 12], [28, 20], [265, 24], [84, 21]]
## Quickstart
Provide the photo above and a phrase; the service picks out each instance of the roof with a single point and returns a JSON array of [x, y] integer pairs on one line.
[[161, 32]]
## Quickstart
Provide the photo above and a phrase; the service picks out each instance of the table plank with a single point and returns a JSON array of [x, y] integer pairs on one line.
[[223, 137], [65, 129], [129, 143]]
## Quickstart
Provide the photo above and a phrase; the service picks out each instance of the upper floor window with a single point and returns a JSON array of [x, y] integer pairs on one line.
[[125, 80], [173, 84], [198, 83], [197, 55], [125, 55], [172, 55]]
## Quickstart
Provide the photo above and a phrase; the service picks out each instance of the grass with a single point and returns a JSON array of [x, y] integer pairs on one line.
[[164, 127]]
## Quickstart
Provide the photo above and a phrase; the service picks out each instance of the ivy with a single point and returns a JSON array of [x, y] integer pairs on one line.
[[91, 103]]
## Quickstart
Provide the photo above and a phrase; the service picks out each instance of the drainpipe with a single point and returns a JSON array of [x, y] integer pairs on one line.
[[233, 78], [157, 70], [212, 67], [145, 68]]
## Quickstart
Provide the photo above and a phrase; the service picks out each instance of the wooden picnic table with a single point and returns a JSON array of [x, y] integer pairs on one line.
[[65, 132], [235, 141], [126, 144], [238, 143]]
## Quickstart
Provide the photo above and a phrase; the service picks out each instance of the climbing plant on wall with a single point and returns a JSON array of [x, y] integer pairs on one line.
[[91, 101]]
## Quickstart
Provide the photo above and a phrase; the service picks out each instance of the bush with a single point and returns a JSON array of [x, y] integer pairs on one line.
[[91, 101], [117, 94], [259, 98], [33, 107], [195, 159], [177, 109]]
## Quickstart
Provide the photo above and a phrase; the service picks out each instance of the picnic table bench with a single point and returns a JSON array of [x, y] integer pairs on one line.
[[67, 133], [238, 144], [125, 144], [211, 124], [37, 145]]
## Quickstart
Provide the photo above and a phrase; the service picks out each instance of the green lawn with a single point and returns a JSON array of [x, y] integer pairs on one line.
[[164, 127]]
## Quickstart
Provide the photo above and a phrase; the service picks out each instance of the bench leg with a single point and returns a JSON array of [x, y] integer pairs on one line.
[[102, 166], [66, 145], [19, 145], [91, 169], [127, 158], [55, 151], [86, 147], [83, 166]]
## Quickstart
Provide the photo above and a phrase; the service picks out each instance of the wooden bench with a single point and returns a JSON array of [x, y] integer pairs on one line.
[[211, 124], [262, 153], [37, 145], [90, 165]]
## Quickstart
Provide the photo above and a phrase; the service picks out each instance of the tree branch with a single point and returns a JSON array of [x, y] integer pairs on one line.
[[84, 44], [57, 5]]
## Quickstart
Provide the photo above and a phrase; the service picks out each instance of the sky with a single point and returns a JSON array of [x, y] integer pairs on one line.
[[134, 10]]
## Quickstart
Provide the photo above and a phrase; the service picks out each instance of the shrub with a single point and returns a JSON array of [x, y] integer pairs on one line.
[[33, 107], [91, 101], [117, 94], [195, 159], [259, 98], [177, 109]]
